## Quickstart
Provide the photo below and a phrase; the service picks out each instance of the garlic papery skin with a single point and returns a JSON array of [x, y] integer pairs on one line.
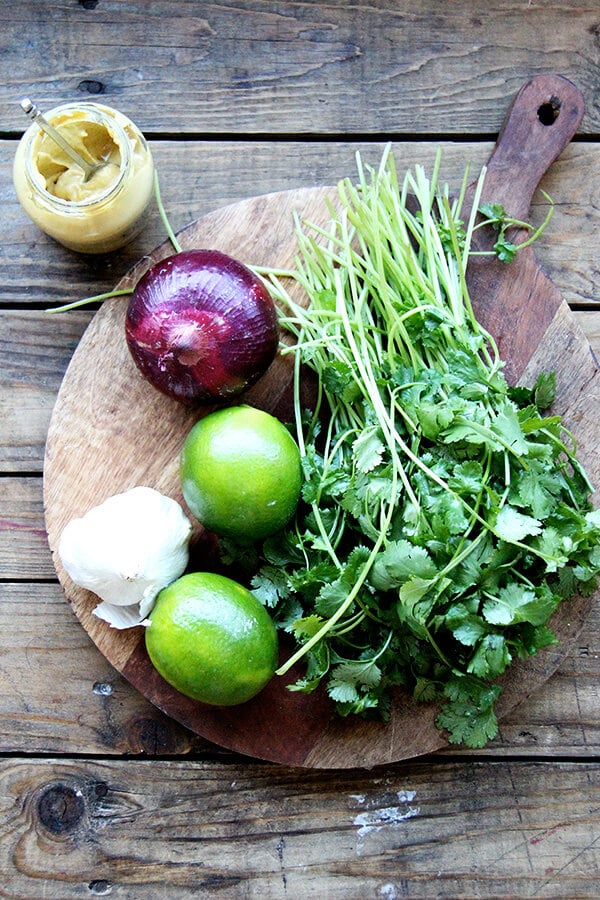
[[126, 550]]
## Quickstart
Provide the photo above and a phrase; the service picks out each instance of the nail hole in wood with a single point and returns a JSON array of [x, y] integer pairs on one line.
[[91, 86], [100, 789], [100, 887], [548, 111]]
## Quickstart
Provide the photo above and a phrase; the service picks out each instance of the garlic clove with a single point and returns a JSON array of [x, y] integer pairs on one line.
[[127, 549], [119, 616], [148, 601]]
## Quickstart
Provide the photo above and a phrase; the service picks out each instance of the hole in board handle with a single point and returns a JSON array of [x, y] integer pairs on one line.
[[548, 112]]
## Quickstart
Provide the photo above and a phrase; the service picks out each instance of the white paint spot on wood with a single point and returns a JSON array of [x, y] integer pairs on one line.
[[388, 892], [378, 818]]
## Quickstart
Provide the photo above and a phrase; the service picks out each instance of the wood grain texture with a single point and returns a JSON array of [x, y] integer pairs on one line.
[[178, 829], [35, 351], [58, 694], [214, 174], [517, 304], [314, 67], [23, 540]]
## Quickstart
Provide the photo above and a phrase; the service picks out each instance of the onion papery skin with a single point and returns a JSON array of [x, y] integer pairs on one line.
[[201, 327]]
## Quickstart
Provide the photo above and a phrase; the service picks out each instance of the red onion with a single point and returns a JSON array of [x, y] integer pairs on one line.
[[201, 326]]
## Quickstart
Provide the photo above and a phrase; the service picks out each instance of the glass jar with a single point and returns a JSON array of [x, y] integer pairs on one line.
[[94, 216]]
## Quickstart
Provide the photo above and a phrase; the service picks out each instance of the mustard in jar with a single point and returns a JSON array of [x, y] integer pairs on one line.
[[90, 215]]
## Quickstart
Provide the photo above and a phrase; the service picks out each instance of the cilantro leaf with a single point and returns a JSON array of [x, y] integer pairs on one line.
[[544, 390], [511, 525], [492, 211], [307, 627], [425, 690], [338, 378], [517, 603], [505, 250], [270, 585], [399, 562], [507, 426], [468, 713], [491, 657], [465, 625], [368, 449]]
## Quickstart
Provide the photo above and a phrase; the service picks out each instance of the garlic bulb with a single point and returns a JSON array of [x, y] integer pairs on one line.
[[126, 550]]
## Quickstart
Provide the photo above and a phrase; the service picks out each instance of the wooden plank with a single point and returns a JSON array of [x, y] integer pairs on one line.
[[35, 350], [377, 66], [58, 694], [478, 830], [36, 270], [590, 323], [24, 552], [27, 394], [566, 250]]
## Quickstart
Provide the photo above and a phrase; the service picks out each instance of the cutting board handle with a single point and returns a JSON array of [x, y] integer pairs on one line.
[[541, 121]]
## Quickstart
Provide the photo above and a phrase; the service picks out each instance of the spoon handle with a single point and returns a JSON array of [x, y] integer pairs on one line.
[[31, 110]]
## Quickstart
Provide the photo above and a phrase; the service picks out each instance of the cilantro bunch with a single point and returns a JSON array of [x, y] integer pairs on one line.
[[444, 515]]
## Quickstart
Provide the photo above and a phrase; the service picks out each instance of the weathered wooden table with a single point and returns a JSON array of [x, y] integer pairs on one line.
[[101, 794]]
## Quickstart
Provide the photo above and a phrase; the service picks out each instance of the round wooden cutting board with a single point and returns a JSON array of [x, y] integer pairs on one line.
[[111, 430]]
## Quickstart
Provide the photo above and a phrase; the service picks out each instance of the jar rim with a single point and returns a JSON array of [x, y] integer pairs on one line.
[[96, 112]]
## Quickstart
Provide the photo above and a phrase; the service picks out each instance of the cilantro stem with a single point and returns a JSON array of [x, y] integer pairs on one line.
[[493, 436], [337, 615], [161, 211], [350, 624], [352, 594], [95, 299], [538, 231]]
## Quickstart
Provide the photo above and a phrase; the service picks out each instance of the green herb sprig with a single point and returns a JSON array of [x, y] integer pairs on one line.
[[444, 515]]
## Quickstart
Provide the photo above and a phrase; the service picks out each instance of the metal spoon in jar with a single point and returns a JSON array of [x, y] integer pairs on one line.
[[34, 113]]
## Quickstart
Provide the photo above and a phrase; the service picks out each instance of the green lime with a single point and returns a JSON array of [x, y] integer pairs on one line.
[[240, 473], [211, 639]]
